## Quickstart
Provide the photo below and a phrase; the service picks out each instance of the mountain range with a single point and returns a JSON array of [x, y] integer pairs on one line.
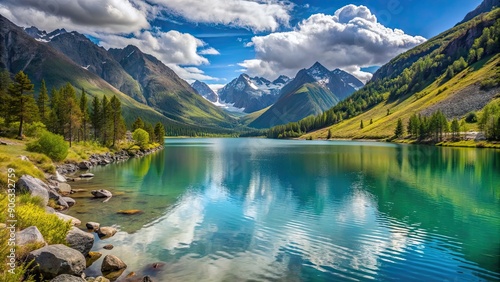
[[252, 93], [311, 92], [146, 86], [205, 91]]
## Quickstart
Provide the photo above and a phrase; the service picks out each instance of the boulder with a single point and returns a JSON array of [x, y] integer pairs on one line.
[[59, 177], [101, 193], [62, 203], [85, 165], [106, 232], [111, 264], [65, 217], [33, 186], [24, 158], [80, 240], [92, 225], [29, 235], [70, 201], [146, 279], [86, 175], [67, 278], [64, 188], [98, 279], [53, 260]]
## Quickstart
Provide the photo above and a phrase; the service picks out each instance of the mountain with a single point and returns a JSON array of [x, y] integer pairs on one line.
[[484, 7], [96, 60], [19, 51], [252, 93], [205, 91], [42, 35], [166, 92], [456, 72], [311, 92]]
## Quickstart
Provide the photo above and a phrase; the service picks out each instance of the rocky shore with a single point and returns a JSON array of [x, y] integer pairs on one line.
[[67, 262]]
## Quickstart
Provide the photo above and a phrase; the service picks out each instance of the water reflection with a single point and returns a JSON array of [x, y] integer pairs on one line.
[[224, 209]]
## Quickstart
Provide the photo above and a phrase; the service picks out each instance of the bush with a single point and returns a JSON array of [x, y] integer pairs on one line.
[[50, 144], [34, 129], [141, 137], [471, 117]]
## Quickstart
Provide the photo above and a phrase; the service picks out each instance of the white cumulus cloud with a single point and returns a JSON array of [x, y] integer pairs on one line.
[[349, 39], [255, 15], [86, 16]]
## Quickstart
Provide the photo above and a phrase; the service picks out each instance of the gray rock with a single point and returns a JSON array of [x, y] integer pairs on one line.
[[24, 158], [106, 232], [74, 220], [101, 193], [86, 175], [71, 202], [29, 235], [62, 203], [64, 188], [80, 240], [53, 260], [111, 264], [85, 165], [67, 278], [33, 186], [92, 225], [59, 177], [146, 279]]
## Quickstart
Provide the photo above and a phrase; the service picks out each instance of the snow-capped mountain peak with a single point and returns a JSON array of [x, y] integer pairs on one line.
[[42, 35]]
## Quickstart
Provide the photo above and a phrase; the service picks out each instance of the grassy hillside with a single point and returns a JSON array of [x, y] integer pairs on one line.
[[463, 91], [455, 72], [309, 99]]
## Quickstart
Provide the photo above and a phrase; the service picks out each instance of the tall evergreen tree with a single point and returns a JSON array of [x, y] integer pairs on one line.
[[96, 117], [23, 107], [138, 123], [54, 122], [5, 81], [399, 132], [106, 121], [43, 103], [150, 130], [117, 119], [159, 132], [72, 115], [84, 109]]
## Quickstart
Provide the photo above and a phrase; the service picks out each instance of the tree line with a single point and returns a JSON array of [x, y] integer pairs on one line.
[[75, 118]]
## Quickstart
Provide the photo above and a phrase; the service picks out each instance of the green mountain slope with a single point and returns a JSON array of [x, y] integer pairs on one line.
[[444, 73], [165, 91], [18, 51]]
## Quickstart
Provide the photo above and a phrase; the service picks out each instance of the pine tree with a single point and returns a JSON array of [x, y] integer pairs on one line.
[[23, 107], [117, 119], [399, 132], [329, 136], [361, 125], [53, 120], [159, 132], [371, 121], [84, 109], [455, 128], [150, 130], [106, 121], [43, 103], [72, 115], [138, 123], [96, 117]]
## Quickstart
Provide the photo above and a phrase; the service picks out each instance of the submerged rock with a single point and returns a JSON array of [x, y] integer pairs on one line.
[[101, 193], [108, 247], [129, 212], [92, 225], [53, 260], [106, 232]]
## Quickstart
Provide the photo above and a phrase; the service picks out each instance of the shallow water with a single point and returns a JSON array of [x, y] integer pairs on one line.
[[273, 210]]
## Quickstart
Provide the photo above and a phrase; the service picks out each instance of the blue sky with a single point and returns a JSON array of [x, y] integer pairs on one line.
[[216, 40]]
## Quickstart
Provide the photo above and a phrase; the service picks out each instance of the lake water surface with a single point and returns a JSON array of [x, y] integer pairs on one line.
[[274, 210]]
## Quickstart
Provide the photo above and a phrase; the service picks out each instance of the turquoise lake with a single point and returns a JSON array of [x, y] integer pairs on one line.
[[275, 210]]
